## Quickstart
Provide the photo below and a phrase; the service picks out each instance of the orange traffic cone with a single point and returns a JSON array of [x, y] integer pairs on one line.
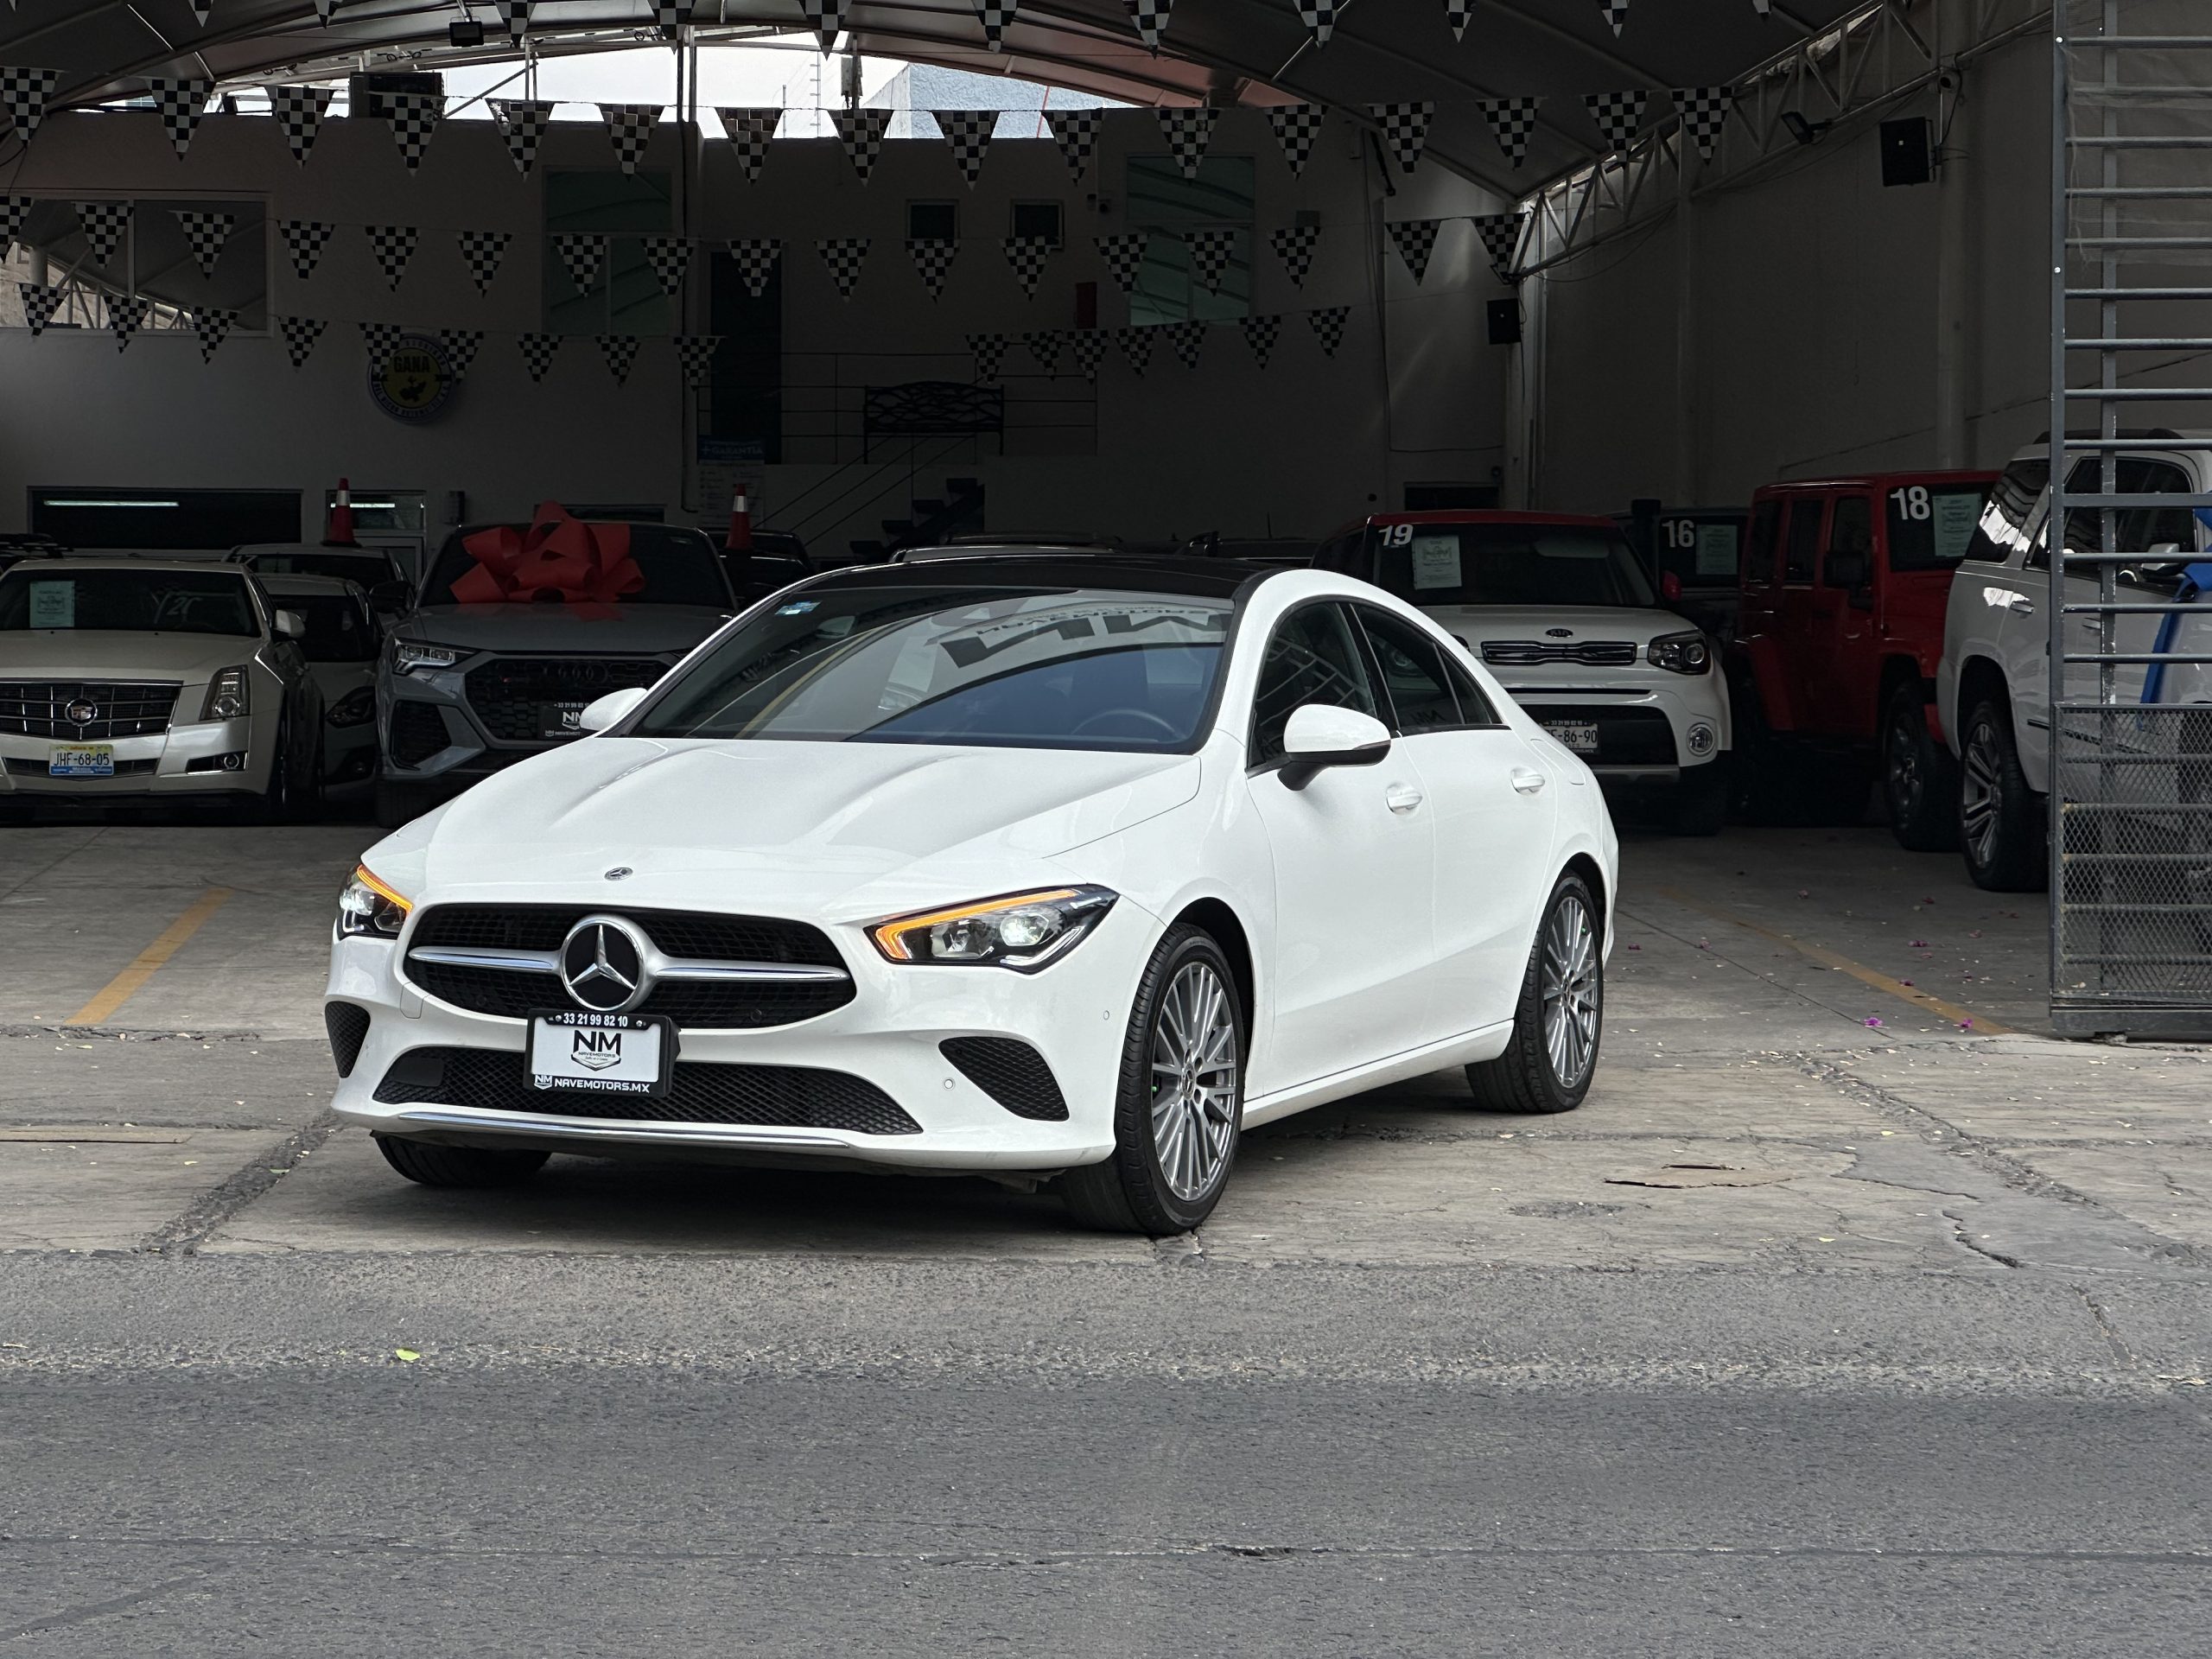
[[740, 539], [340, 532]]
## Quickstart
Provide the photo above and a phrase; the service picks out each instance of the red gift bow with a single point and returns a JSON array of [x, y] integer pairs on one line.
[[559, 555]]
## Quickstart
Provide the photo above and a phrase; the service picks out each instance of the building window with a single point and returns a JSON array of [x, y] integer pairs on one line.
[[625, 297], [933, 221], [1161, 200], [1037, 221]]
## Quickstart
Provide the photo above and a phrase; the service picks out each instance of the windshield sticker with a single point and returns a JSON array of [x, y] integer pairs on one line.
[[1957, 512], [53, 605], [1436, 562], [797, 607], [1716, 549]]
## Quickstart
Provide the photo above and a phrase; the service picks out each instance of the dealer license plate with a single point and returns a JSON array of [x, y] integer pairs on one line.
[[81, 760], [1579, 736], [600, 1053], [561, 719]]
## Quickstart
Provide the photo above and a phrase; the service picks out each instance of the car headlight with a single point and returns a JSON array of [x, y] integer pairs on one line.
[[1023, 930], [407, 657], [226, 696], [357, 708], [369, 908], [1680, 653]]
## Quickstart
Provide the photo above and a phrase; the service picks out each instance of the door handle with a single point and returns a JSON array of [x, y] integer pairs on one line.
[[1401, 798], [1526, 781]]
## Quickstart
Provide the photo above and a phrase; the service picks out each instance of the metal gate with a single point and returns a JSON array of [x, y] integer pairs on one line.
[[2131, 624]]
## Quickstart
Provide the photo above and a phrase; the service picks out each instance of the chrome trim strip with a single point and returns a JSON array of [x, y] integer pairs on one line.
[[516, 962], [659, 967], [670, 1134]]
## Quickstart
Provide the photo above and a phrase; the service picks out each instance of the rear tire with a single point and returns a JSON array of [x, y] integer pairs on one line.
[[2001, 831], [1920, 781], [472, 1167], [278, 800], [1559, 1022]]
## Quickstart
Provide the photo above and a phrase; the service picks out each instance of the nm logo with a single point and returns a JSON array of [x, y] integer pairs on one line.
[[597, 1050]]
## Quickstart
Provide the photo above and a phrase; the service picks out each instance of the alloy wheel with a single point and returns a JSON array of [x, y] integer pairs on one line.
[[1194, 1075], [1570, 991], [1980, 796], [1905, 781]]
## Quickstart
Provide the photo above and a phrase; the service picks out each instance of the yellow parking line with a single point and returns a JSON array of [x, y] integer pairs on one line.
[[1864, 974], [125, 985]]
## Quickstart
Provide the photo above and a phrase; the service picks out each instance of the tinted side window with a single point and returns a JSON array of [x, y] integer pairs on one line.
[[1413, 673], [1851, 529], [2135, 530], [1804, 539], [1758, 553], [1313, 657], [2003, 529], [1475, 708]]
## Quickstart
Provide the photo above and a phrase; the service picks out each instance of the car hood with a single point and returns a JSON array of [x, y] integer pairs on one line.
[[1476, 623], [70, 654], [583, 630], [841, 831]]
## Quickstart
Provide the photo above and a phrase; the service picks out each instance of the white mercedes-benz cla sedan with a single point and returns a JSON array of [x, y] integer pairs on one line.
[[1069, 867]]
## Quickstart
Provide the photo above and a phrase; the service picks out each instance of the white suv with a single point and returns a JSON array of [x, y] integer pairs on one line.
[[1993, 687]]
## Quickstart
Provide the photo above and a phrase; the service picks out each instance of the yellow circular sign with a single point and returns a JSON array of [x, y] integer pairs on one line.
[[415, 382]]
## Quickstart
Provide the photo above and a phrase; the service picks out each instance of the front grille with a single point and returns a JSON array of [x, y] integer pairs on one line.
[[348, 1026], [1010, 1072], [506, 692], [121, 707], [418, 731], [1626, 737], [18, 767], [1590, 653], [763, 1096]]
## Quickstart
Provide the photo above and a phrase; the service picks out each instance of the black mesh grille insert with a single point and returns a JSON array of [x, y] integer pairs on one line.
[[348, 1026], [418, 731], [1626, 737], [20, 767], [120, 708], [506, 692], [1010, 1072], [1592, 653], [763, 1096]]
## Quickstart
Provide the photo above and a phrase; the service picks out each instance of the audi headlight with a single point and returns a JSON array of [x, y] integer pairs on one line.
[[1023, 930], [369, 908], [226, 696], [357, 708], [1680, 653], [407, 657]]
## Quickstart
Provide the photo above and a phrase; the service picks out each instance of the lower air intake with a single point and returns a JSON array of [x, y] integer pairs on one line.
[[1012, 1073]]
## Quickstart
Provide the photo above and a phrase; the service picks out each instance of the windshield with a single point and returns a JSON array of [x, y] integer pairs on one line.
[[127, 601], [338, 630], [1059, 668], [1932, 525], [676, 567], [367, 568], [1509, 564]]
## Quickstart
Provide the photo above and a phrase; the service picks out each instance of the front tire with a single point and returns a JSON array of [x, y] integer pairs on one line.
[[475, 1166], [1180, 1108], [2001, 818], [1560, 1020], [1920, 781]]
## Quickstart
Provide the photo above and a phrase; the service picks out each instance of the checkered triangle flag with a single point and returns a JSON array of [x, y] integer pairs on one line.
[[1614, 12], [695, 355], [862, 132], [1124, 257], [205, 234], [1188, 131], [482, 252], [969, 132], [1294, 247], [932, 256], [1405, 129], [212, 326], [1417, 240], [1076, 131], [323, 10], [182, 102], [630, 128], [749, 131], [303, 240], [827, 19], [1261, 335], [1149, 17], [1210, 253], [756, 258], [621, 351], [378, 339], [522, 122], [1704, 112], [1456, 13], [995, 16], [670, 258], [299, 111], [1329, 326], [414, 117], [300, 336], [1500, 235], [990, 351], [124, 313], [38, 302], [1043, 346], [394, 246], [24, 93], [14, 210], [1617, 115], [582, 252], [1319, 16], [460, 346], [1186, 337], [1136, 346], [1296, 126], [1511, 120], [538, 354], [200, 10], [844, 256], [518, 17], [103, 223], [1089, 346], [1027, 254]]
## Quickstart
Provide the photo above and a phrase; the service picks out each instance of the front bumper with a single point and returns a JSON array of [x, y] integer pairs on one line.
[[158, 764], [428, 729], [1647, 732]]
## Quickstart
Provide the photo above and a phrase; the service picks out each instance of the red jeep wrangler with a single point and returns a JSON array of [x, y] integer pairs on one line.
[[1839, 628]]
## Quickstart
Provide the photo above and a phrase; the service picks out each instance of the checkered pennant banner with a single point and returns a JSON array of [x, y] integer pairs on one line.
[[205, 234], [517, 15], [1456, 13], [537, 351], [1089, 346], [181, 103], [989, 351], [749, 131], [1124, 257], [1186, 337], [695, 355], [1210, 253], [482, 252], [670, 258], [1136, 346], [1188, 131], [1416, 241], [827, 19], [1295, 246], [522, 122], [304, 239], [932, 256], [414, 117], [996, 15], [1296, 126], [843, 255], [672, 14], [1076, 131], [630, 129], [621, 351], [14, 210], [1405, 129], [1704, 112], [1261, 335], [200, 10], [1614, 12], [299, 111], [460, 347], [1027, 254], [103, 223], [300, 334], [124, 313], [24, 93], [1617, 115], [582, 252], [1043, 346], [1319, 18], [394, 246], [323, 10], [1329, 326], [38, 302], [756, 259], [969, 132], [1149, 18], [1500, 235], [862, 132], [1511, 120], [212, 326], [378, 339]]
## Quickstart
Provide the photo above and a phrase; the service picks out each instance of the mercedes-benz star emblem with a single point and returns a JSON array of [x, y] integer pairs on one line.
[[83, 714], [620, 872], [603, 965]]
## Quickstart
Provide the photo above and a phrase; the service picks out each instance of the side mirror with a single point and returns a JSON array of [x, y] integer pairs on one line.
[[1320, 735], [1846, 569], [291, 625], [610, 710]]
